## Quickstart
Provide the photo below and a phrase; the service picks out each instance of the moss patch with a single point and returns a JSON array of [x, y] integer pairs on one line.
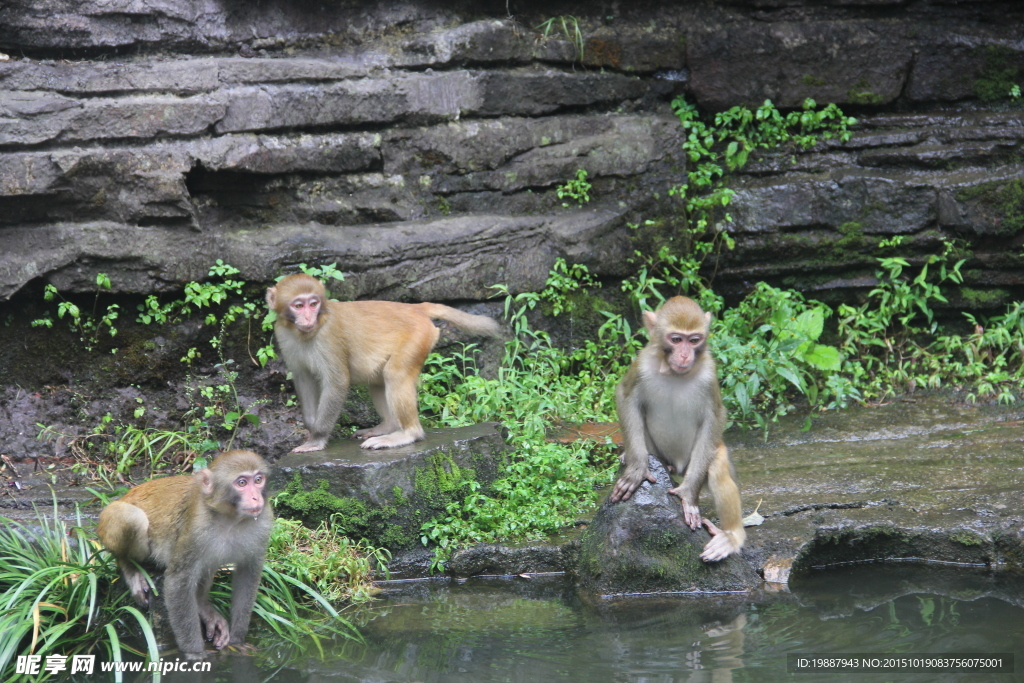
[[861, 93], [968, 538], [1002, 201], [351, 516], [396, 523], [997, 76], [983, 298]]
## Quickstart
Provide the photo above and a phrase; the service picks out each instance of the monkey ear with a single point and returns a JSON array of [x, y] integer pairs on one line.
[[707, 319], [205, 481], [650, 320], [271, 296]]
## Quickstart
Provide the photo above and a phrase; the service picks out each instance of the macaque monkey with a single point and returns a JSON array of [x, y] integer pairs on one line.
[[383, 344], [191, 526], [669, 405]]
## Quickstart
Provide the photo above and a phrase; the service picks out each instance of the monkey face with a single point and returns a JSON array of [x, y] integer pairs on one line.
[[248, 488], [682, 350], [304, 311]]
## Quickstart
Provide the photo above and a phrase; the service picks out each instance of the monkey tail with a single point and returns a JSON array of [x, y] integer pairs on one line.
[[474, 324]]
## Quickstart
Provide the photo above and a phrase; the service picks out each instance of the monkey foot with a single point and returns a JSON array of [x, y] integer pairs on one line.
[[393, 440], [379, 430], [720, 546], [310, 446]]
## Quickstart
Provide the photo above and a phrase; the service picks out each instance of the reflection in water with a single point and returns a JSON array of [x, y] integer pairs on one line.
[[518, 631]]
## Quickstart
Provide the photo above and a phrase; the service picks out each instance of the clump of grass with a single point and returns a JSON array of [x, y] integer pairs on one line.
[[336, 567], [61, 594], [56, 595]]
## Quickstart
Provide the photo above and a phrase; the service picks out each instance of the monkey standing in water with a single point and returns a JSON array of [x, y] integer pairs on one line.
[[669, 405], [191, 526], [383, 344]]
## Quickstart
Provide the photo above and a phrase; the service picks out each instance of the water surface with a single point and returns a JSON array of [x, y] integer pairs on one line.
[[529, 630]]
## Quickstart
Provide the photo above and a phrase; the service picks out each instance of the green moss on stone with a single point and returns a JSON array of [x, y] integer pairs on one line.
[[968, 538], [394, 525], [983, 298], [861, 93], [437, 484], [1003, 198], [998, 75], [353, 517]]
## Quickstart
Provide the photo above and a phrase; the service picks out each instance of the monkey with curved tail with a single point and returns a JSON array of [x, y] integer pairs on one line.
[[327, 345]]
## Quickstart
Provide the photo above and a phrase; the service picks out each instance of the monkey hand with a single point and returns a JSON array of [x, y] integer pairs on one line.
[[216, 627], [630, 481], [720, 546]]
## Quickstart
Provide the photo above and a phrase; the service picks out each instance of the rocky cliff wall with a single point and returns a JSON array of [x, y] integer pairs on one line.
[[419, 144]]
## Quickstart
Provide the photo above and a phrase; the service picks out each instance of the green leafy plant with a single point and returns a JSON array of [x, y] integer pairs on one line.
[[126, 446], [577, 189], [85, 324], [997, 78], [726, 143], [55, 596]]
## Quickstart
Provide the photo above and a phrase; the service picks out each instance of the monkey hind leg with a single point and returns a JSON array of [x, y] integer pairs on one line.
[[400, 377], [124, 531], [729, 539], [388, 422]]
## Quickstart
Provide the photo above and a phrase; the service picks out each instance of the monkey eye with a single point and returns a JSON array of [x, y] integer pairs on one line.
[[258, 480], [675, 338], [696, 339], [241, 482]]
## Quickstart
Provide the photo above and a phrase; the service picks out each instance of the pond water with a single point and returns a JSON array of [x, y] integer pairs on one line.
[[528, 630]]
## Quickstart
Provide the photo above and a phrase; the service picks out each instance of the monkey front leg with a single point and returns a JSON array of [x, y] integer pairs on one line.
[[634, 441], [328, 402], [244, 583], [694, 468], [181, 598], [688, 496], [215, 626]]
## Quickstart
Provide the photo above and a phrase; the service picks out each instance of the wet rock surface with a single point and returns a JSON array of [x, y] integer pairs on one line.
[[925, 479], [386, 495], [643, 545]]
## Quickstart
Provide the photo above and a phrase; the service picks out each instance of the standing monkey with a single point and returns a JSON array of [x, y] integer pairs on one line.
[[191, 526], [383, 344], [669, 405]]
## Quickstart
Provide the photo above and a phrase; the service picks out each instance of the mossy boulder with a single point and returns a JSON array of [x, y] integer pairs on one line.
[[643, 545], [385, 496]]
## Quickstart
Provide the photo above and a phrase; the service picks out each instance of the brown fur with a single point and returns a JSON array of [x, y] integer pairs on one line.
[[381, 344], [191, 526]]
